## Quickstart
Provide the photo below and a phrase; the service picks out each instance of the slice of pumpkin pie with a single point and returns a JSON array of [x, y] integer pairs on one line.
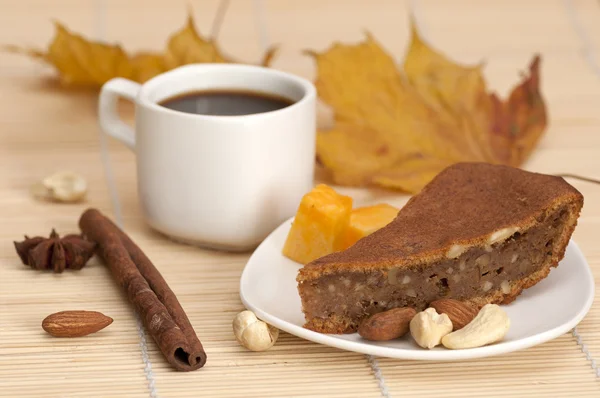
[[477, 232]]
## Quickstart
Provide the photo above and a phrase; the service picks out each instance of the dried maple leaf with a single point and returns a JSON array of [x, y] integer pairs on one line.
[[399, 128], [188, 47], [81, 62]]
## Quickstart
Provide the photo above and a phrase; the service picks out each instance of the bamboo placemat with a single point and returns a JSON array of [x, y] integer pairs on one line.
[[44, 129]]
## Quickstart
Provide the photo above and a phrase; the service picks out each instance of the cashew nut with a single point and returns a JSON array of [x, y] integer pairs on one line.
[[63, 186], [489, 326], [253, 333], [428, 327]]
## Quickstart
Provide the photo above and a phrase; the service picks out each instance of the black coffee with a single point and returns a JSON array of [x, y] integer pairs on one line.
[[226, 103]]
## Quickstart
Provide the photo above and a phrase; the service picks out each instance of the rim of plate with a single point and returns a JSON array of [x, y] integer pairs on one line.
[[432, 355]]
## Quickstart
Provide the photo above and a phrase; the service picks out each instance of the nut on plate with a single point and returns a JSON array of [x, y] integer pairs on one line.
[[428, 327], [489, 326], [460, 313], [253, 333], [387, 325], [64, 186]]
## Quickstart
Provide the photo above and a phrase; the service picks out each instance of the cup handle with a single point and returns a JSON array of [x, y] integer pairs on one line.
[[107, 109]]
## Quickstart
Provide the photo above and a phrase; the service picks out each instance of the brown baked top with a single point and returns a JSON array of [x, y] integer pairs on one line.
[[463, 205]]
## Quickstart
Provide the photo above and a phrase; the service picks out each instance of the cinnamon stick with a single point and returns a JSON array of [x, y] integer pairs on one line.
[[146, 289]]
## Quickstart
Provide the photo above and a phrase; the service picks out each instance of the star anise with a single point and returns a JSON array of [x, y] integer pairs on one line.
[[55, 253]]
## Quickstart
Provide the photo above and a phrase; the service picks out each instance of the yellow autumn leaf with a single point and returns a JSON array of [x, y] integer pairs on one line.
[[146, 65], [187, 47], [398, 127], [81, 62]]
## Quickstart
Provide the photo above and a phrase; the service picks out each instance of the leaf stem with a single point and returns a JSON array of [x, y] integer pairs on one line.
[[576, 177], [218, 20]]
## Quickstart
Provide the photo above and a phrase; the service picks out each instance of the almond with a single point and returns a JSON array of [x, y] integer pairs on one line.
[[460, 313], [387, 325], [75, 323]]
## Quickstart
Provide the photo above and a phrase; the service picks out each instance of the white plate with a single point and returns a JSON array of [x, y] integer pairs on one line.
[[541, 313]]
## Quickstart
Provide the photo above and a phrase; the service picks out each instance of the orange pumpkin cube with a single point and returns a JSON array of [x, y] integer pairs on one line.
[[366, 220], [319, 226]]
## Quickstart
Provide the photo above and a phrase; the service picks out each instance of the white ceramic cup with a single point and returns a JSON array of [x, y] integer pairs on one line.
[[222, 182]]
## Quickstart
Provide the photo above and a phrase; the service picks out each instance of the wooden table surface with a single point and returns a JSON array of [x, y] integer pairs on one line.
[[44, 129]]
